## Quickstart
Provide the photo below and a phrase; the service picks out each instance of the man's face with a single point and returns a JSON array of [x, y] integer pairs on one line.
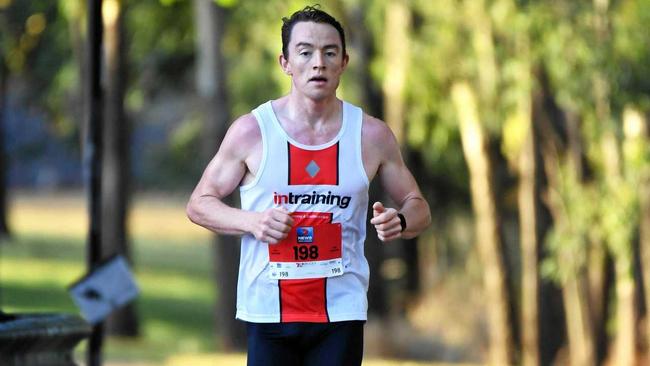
[[315, 59]]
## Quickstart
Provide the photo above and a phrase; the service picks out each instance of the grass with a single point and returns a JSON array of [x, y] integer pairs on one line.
[[172, 268]]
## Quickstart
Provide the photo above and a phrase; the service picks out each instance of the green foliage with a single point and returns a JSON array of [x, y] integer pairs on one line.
[[587, 66], [620, 203], [35, 45], [252, 48], [160, 45], [557, 37], [575, 206], [630, 64], [560, 32], [619, 216], [437, 58]]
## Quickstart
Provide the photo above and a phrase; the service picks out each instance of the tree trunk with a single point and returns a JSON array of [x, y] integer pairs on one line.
[[487, 236], [644, 244], [4, 166], [625, 305], [598, 274], [211, 85], [116, 162], [92, 152], [625, 313], [371, 100], [597, 254], [529, 248], [115, 156], [644, 214], [396, 56], [578, 319], [551, 311], [403, 253], [483, 46], [575, 293], [520, 148]]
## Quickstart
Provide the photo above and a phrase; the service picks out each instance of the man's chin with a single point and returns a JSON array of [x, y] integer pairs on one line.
[[319, 95]]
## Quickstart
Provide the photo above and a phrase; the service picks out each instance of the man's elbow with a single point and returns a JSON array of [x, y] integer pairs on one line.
[[427, 219], [192, 212]]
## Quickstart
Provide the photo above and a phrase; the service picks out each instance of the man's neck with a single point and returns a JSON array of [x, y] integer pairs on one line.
[[300, 107]]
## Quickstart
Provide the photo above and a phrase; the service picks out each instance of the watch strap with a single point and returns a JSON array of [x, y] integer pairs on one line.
[[402, 221]]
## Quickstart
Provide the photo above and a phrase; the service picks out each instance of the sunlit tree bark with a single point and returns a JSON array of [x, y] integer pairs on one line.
[[619, 243], [467, 104], [644, 233], [636, 170], [527, 197], [581, 344], [396, 56], [528, 207], [487, 236]]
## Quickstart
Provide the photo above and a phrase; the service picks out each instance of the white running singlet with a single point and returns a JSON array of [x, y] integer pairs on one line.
[[319, 272]]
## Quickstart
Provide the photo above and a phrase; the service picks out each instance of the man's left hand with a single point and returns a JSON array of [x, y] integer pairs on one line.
[[386, 222]]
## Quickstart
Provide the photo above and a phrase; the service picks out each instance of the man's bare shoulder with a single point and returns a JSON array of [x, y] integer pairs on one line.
[[245, 127], [243, 135], [375, 132]]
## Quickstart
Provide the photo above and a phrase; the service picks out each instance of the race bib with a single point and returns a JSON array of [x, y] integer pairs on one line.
[[311, 250]]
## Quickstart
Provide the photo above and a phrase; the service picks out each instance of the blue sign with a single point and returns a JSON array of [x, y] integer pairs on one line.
[[305, 234]]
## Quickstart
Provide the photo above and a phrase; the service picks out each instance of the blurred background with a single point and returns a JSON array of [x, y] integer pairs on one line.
[[525, 123]]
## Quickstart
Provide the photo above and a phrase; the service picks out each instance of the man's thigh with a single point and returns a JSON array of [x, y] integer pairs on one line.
[[342, 345], [272, 344], [305, 344]]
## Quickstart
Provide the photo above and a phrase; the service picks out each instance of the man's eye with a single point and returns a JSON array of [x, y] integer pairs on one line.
[[304, 53], [331, 54]]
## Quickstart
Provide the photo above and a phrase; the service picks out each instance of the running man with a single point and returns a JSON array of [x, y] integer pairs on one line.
[[303, 164]]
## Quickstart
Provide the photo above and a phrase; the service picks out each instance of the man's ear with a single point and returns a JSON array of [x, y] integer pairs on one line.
[[284, 63], [346, 59]]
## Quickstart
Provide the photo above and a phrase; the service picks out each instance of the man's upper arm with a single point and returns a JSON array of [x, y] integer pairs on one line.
[[394, 175], [228, 167]]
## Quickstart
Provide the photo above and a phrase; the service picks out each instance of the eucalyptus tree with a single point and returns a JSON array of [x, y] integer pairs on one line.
[[630, 67], [458, 42], [591, 55]]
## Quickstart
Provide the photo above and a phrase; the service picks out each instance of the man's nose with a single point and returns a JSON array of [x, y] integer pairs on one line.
[[319, 61]]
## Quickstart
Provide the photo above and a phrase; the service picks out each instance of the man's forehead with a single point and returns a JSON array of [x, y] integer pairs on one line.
[[315, 34]]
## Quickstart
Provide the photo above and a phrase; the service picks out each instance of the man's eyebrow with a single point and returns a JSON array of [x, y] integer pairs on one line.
[[306, 44]]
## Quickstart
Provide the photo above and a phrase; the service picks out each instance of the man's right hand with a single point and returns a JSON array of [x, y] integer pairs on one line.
[[273, 225]]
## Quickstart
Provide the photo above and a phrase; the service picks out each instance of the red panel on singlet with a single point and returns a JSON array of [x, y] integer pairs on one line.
[[314, 167], [303, 300]]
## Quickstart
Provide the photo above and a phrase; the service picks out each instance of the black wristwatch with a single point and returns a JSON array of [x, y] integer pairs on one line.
[[402, 221]]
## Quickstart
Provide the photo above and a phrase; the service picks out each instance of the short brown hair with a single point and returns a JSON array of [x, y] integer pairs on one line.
[[308, 14]]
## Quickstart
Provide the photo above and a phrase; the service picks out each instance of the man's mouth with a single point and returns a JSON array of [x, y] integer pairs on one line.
[[320, 79]]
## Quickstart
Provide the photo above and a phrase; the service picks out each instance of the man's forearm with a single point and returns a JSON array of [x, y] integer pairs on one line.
[[211, 213]]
